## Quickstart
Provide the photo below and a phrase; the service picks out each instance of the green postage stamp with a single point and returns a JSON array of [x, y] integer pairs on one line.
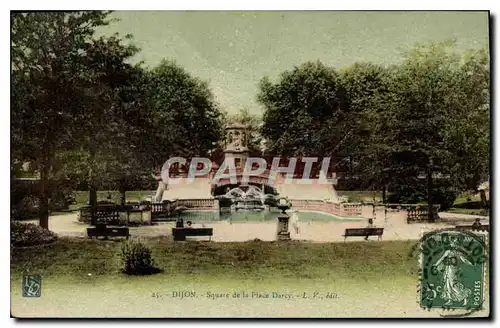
[[452, 265]]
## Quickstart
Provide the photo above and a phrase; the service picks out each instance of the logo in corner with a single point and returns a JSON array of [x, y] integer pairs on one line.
[[32, 286]]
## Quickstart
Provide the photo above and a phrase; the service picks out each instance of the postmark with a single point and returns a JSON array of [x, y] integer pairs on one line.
[[452, 270]]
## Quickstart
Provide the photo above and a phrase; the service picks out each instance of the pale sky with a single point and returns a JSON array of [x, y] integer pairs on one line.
[[234, 50]]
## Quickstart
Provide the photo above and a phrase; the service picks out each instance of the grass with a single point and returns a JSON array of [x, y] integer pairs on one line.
[[359, 196], [470, 211], [464, 198], [468, 203], [250, 260]]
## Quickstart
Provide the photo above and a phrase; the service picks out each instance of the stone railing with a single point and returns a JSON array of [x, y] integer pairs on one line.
[[205, 203], [113, 214], [421, 213], [352, 209], [338, 209], [306, 202]]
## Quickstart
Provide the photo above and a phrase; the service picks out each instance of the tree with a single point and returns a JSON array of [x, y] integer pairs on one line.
[[119, 154], [434, 124], [183, 112], [183, 116], [63, 87], [365, 86], [305, 111]]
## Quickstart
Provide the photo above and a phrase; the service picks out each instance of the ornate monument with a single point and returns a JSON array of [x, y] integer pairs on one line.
[[236, 147], [283, 220]]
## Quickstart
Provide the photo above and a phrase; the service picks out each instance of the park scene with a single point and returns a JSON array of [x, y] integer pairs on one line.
[[231, 164]]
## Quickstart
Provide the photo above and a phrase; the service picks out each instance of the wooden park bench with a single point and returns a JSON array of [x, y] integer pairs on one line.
[[363, 232], [180, 234], [472, 227], [107, 219], [101, 230]]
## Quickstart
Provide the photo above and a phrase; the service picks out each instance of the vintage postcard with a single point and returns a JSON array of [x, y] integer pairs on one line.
[[250, 164]]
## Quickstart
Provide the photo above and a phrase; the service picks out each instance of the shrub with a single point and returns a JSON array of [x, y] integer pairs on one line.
[[271, 201], [137, 259], [29, 234], [445, 197], [26, 208], [442, 195], [225, 202], [61, 199]]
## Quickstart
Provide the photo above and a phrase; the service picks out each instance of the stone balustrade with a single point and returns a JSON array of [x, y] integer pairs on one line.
[[338, 209]]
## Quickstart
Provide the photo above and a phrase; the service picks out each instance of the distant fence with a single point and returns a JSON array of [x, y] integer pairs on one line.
[[415, 212], [196, 203], [421, 213], [338, 209], [352, 209], [166, 208]]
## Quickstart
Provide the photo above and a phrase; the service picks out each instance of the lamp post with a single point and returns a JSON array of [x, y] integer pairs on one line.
[[283, 219]]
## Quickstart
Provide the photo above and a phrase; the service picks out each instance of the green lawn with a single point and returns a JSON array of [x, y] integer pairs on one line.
[[468, 203], [470, 211], [255, 260], [82, 278], [359, 196], [474, 197]]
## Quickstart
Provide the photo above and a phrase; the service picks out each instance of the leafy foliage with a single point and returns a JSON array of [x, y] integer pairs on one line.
[[65, 84], [430, 126], [184, 115], [29, 234], [305, 111], [137, 259], [419, 128]]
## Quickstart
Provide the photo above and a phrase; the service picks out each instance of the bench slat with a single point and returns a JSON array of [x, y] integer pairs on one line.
[[470, 227], [364, 231], [108, 232], [192, 231]]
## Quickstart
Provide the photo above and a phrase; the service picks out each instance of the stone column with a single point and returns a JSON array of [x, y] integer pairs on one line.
[[283, 233]]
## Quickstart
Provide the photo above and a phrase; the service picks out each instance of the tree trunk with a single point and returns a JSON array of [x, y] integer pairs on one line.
[[43, 211], [122, 193], [430, 204], [373, 206], [93, 202], [92, 189], [383, 194], [484, 202]]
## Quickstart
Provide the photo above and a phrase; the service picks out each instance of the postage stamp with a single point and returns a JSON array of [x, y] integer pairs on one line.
[[452, 266]]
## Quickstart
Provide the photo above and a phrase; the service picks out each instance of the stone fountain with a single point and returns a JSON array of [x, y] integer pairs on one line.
[[246, 198]]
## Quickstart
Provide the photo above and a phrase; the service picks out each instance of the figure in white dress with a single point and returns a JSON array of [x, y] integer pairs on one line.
[[294, 220], [453, 289]]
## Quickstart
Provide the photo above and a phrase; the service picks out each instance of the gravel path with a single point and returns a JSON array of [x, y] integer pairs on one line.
[[395, 227]]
